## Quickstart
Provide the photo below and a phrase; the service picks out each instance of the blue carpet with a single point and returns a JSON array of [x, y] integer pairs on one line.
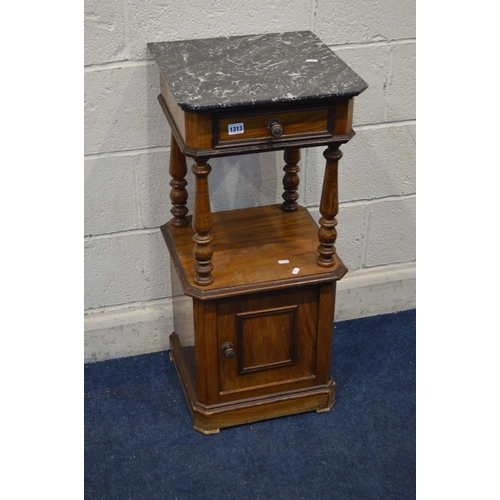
[[139, 442]]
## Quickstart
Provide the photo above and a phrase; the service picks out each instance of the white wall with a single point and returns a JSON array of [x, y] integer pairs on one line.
[[128, 307]]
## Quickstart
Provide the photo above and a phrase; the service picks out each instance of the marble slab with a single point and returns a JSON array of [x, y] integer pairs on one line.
[[226, 72]]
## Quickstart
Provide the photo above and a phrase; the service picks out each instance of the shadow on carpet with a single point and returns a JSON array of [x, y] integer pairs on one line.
[[139, 442]]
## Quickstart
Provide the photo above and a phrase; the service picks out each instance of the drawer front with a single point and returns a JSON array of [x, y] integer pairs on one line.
[[268, 344], [289, 124]]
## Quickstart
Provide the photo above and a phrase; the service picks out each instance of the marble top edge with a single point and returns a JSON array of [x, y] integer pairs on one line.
[[210, 73]]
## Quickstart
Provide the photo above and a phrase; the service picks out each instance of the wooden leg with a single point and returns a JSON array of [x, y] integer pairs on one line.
[[291, 179], [202, 224], [329, 207], [178, 193]]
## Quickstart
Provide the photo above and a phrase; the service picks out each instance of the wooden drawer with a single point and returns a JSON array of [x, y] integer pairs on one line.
[[232, 128]]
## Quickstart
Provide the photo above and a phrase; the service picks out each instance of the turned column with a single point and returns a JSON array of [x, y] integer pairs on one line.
[[329, 207], [291, 179], [178, 193], [202, 224]]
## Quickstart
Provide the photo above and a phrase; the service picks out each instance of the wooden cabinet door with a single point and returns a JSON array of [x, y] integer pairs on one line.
[[268, 342]]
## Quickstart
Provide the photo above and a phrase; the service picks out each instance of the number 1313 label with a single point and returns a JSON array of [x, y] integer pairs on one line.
[[235, 128]]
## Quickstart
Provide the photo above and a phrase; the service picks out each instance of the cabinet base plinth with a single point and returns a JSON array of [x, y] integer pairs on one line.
[[209, 419]]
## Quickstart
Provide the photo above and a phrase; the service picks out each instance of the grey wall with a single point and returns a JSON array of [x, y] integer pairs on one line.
[[128, 306]]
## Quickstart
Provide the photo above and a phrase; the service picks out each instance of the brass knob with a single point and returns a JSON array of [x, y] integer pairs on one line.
[[276, 128], [228, 350]]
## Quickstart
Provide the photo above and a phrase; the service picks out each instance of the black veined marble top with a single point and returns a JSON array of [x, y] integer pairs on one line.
[[225, 72]]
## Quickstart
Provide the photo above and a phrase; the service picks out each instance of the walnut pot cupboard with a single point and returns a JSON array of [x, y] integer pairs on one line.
[[258, 283]]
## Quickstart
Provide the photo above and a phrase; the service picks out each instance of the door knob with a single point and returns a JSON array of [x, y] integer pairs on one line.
[[228, 350], [276, 128]]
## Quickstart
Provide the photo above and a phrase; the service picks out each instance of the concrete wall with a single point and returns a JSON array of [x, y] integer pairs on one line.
[[128, 298]]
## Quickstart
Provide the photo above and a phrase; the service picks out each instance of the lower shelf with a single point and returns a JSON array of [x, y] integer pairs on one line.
[[254, 249], [209, 419]]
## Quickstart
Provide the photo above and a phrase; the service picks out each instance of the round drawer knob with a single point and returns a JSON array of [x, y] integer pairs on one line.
[[276, 128], [228, 350]]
